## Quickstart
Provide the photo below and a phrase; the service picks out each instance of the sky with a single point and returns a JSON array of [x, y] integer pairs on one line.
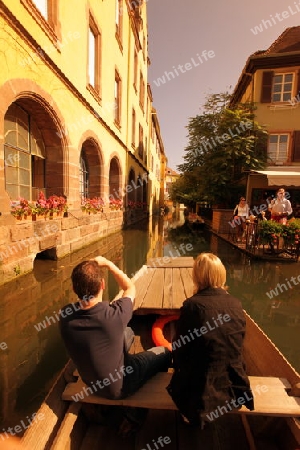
[[199, 47]]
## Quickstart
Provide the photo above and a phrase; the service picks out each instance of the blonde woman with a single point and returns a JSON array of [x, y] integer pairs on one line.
[[209, 370]]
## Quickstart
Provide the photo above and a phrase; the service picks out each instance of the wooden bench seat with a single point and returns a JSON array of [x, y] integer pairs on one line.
[[270, 396]]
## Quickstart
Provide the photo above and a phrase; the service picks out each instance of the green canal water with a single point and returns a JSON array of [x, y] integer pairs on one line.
[[31, 351]]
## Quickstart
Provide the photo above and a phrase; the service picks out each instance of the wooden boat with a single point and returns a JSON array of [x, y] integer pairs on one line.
[[161, 287]]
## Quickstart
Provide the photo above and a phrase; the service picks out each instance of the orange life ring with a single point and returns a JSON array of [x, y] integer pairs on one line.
[[157, 330]]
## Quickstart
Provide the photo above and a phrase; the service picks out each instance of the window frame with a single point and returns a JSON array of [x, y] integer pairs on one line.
[[135, 69], [133, 128], [36, 160], [142, 92], [283, 82], [94, 30], [117, 98], [141, 142], [84, 176], [277, 158], [49, 24], [119, 22]]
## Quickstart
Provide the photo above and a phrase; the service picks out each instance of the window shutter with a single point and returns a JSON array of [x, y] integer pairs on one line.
[[298, 87], [266, 87], [296, 149]]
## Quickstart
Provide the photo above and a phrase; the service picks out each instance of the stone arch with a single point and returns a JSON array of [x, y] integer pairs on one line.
[[114, 179], [40, 126], [42, 110], [91, 155], [139, 189]]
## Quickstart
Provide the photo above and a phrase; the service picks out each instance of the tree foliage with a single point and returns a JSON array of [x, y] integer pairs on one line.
[[223, 143]]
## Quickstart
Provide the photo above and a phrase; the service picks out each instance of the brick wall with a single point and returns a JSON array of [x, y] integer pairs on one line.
[[220, 220]]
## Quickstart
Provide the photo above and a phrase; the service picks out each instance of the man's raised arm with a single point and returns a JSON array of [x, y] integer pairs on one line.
[[121, 278]]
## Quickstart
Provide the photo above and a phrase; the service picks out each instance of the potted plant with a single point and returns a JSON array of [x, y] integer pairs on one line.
[[17, 210], [92, 205], [291, 232], [269, 231], [43, 206], [115, 204]]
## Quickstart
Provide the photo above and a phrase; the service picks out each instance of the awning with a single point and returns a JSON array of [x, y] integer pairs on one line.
[[282, 177]]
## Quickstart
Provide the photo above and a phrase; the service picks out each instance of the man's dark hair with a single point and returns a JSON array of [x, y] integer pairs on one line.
[[86, 278]]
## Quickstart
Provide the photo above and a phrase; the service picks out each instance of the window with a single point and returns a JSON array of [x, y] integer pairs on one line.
[[24, 155], [133, 128], [83, 177], [278, 147], [135, 69], [42, 6], [142, 91], [296, 147], [45, 12], [117, 99], [134, 4], [152, 131], [141, 141], [90, 169], [282, 87], [94, 56], [146, 150], [119, 20], [144, 46]]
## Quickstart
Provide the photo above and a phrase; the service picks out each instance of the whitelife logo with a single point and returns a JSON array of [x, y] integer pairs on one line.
[[183, 68]]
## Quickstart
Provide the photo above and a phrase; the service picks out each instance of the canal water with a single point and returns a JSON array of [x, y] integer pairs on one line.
[[31, 351]]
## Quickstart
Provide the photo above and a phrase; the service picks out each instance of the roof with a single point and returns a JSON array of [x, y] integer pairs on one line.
[[284, 51], [170, 171], [288, 41]]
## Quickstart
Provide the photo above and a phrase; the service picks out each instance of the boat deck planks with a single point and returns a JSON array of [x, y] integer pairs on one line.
[[100, 437], [157, 424], [163, 284], [154, 295], [187, 280], [142, 281], [270, 396]]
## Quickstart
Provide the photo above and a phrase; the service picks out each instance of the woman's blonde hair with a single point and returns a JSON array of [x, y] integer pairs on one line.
[[208, 271]]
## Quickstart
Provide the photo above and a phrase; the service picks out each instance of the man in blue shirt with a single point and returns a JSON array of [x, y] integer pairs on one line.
[[97, 338]]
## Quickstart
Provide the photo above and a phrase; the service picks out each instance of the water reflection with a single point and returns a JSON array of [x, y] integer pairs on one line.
[[33, 358], [29, 312]]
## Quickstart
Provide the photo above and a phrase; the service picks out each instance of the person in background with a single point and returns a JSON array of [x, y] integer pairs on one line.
[[241, 214], [280, 207], [209, 370]]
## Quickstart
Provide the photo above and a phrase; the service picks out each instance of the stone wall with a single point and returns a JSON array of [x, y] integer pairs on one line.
[[22, 240], [32, 357]]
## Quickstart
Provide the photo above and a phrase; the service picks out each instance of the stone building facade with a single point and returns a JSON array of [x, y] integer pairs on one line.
[[77, 122]]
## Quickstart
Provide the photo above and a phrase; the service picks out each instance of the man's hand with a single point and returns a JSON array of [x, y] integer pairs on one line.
[[121, 278], [103, 262]]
